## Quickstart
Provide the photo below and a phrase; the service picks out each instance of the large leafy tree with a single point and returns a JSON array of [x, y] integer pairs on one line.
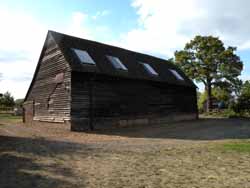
[[222, 95], [7, 100], [206, 60]]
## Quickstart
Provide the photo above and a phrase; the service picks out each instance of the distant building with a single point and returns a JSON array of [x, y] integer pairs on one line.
[[215, 104], [87, 84], [18, 111]]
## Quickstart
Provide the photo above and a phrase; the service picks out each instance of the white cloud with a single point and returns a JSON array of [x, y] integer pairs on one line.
[[163, 27], [16, 77], [166, 25], [100, 14], [83, 26], [78, 26], [21, 40]]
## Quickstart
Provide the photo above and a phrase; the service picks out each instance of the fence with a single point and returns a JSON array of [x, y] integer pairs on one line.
[[6, 110]]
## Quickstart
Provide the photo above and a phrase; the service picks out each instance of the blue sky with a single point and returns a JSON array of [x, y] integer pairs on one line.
[[156, 27]]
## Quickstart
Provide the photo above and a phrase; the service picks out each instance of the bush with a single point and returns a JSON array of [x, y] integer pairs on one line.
[[226, 113], [230, 113]]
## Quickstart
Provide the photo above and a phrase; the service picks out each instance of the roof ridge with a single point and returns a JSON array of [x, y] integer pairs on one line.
[[109, 45], [98, 50]]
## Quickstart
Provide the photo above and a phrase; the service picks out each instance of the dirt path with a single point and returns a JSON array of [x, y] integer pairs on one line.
[[186, 154]]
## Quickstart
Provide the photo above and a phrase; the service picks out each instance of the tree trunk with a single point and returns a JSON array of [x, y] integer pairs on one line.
[[209, 97]]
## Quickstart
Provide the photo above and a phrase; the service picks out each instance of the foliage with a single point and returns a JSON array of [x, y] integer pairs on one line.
[[7, 100], [245, 91], [239, 107], [236, 86], [198, 94], [206, 60], [243, 103], [19, 102], [201, 100], [230, 113], [221, 95], [224, 113]]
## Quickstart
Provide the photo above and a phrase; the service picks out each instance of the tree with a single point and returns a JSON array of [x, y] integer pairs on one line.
[[7, 100], [219, 94], [245, 90], [201, 100], [244, 98], [222, 95], [19, 102], [206, 60]]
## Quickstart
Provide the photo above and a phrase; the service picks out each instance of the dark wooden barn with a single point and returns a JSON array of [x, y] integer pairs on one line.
[[87, 84]]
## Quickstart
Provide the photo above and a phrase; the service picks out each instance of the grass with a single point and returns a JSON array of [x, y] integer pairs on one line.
[[45, 156], [9, 118], [242, 146], [45, 163]]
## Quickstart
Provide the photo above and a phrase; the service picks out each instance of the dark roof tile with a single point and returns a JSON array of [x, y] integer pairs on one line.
[[99, 51]]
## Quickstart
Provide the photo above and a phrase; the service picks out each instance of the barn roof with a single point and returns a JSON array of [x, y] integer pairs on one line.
[[133, 61]]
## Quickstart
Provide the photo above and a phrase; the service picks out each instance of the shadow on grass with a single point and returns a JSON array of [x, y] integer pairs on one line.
[[32, 163], [203, 129]]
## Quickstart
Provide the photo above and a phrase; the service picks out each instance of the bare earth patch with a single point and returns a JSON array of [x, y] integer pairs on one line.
[[187, 154]]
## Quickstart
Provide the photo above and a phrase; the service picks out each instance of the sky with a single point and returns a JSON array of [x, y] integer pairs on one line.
[[155, 27]]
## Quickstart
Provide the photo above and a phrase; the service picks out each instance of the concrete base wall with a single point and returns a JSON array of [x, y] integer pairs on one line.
[[52, 119], [51, 125], [110, 123], [83, 124]]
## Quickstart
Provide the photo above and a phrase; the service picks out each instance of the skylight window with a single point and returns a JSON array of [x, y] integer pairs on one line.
[[117, 63], [176, 74], [83, 56], [150, 69]]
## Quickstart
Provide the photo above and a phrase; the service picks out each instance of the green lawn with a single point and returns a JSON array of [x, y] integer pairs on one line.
[[9, 118], [241, 146]]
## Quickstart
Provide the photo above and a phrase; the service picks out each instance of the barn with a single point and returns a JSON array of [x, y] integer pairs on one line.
[[90, 85]]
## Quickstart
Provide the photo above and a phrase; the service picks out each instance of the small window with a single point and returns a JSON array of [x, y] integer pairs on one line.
[[176, 74], [83, 56], [150, 69], [117, 63]]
